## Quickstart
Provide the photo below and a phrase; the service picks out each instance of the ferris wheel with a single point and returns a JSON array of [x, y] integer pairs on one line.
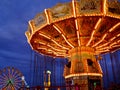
[[11, 79]]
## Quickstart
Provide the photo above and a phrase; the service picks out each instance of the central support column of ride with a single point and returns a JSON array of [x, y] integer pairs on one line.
[[85, 70]]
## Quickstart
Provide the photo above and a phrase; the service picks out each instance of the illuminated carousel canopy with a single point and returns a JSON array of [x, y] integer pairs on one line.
[[78, 30], [84, 23]]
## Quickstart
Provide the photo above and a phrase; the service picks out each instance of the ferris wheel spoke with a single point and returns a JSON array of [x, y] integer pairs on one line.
[[20, 81], [2, 82], [17, 78], [3, 76], [18, 85], [12, 73], [3, 79], [15, 74], [5, 87], [9, 87], [2, 85], [18, 74], [9, 72]]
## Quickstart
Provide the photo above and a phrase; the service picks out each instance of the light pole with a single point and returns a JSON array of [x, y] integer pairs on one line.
[[49, 73]]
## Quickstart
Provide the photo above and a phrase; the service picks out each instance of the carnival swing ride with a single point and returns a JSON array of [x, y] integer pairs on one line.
[[79, 30]]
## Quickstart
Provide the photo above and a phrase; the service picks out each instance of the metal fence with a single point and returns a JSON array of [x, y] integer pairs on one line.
[[72, 87]]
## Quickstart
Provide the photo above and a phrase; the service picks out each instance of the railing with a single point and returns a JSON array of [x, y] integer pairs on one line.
[[71, 87]]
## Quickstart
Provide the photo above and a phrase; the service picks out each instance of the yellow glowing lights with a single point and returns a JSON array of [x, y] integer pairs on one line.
[[118, 41], [100, 40], [102, 51], [102, 45], [42, 43], [56, 49], [59, 45], [116, 46], [57, 29], [53, 41], [63, 36], [83, 74], [78, 34], [104, 7], [95, 40], [42, 48], [50, 51], [78, 38], [76, 24], [31, 26], [112, 38], [100, 67], [44, 35], [27, 34], [48, 20], [118, 35], [110, 41], [104, 48], [67, 41], [98, 22], [113, 44], [74, 11], [114, 27], [91, 38]]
